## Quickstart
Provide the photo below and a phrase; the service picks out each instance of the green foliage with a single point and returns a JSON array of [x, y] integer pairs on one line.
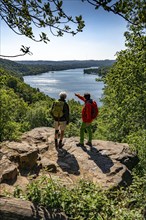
[[100, 71], [18, 69], [133, 11], [72, 130], [22, 107], [122, 117], [22, 16], [85, 201], [75, 111], [75, 119], [129, 203], [125, 95], [88, 201], [38, 115], [137, 142], [13, 112]]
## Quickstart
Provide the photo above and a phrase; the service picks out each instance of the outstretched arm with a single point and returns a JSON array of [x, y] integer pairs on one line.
[[80, 97]]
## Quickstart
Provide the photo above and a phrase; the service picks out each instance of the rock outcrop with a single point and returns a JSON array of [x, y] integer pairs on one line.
[[16, 209], [107, 163]]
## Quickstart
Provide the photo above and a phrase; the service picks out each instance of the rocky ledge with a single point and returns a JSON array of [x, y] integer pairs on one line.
[[108, 163]]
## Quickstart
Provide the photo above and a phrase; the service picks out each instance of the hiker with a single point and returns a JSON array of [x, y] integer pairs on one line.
[[60, 113], [87, 119]]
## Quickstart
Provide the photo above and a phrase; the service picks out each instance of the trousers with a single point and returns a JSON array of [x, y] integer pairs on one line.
[[86, 127]]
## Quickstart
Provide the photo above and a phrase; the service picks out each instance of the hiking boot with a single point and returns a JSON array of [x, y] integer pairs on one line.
[[60, 145], [79, 145], [89, 143]]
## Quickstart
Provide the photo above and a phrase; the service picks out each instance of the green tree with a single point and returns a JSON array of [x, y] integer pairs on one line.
[[12, 115], [22, 16], [125, 95], [123, 116], [39, 114]]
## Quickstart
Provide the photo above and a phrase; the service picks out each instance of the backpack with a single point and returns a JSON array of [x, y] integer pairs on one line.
[[94, 110], [57, 109]]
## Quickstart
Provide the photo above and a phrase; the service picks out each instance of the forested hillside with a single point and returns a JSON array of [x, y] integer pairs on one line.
[[37, 67], [18, 106], [70, 64], [100, 71]]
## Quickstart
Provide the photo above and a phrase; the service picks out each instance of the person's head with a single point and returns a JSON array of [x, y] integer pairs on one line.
[[87, 96], [62, 95]]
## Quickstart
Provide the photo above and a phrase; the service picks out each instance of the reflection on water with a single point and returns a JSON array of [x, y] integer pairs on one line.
[[72, 81]]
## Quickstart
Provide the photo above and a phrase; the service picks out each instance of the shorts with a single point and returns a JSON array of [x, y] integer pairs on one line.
[[60, 124]]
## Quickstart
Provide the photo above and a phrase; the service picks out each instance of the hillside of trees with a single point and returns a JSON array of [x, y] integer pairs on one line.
[[100, 71], [37, 67], [21, 69]]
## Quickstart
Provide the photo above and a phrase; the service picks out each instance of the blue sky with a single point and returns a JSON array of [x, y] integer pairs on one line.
[[101, 38]]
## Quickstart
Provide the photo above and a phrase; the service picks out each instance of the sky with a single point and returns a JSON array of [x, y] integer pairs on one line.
[[101, 38]]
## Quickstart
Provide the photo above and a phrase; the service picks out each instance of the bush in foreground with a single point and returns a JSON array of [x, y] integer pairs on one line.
[[88, 201]]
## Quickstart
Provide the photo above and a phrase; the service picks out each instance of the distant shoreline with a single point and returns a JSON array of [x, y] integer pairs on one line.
[[25, 68]]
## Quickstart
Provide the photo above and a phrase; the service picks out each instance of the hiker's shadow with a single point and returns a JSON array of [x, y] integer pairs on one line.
[[102, 161], [68, 163]]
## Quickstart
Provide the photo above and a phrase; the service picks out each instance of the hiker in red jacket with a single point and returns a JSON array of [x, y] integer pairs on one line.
[[86, 119]]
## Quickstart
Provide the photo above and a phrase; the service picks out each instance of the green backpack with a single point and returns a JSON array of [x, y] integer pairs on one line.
[[57, 109]]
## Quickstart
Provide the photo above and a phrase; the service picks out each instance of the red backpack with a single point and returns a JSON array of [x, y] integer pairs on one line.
[[94, 111]]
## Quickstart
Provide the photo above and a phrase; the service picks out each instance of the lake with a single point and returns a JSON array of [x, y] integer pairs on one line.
[[71, 81]]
